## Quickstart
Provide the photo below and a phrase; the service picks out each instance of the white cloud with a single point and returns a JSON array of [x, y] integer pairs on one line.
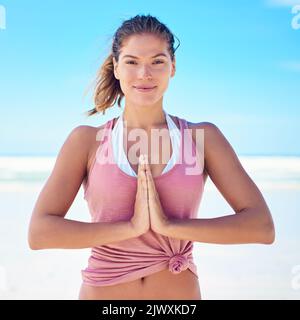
[[282, 3]]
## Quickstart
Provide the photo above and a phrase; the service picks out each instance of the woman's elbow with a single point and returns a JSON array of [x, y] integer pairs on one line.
[[268, 232], [32, 242], [33, 238], [33, 245]]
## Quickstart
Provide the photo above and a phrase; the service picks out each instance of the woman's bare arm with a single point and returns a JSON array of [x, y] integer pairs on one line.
[[251, 221], [48, 226]]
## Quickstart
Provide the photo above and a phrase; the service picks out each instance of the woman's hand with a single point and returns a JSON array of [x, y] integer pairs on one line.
[[158, 220], [141, 218]]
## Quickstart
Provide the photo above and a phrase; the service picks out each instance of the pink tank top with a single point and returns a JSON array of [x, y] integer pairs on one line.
[[110, 194]]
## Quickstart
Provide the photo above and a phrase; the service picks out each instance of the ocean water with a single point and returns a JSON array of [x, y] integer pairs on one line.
[[247, 271]]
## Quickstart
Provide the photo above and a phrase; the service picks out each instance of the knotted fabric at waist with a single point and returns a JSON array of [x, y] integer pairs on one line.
[[178, 263]]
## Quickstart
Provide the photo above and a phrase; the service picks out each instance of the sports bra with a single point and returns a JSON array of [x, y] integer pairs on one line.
[[110, 194], [118, 150]]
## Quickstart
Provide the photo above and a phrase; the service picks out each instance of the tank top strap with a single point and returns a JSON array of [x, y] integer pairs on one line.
[[190, 153], [183, 123], [102, 137], [109, 124], [103, 134], [106, 137]]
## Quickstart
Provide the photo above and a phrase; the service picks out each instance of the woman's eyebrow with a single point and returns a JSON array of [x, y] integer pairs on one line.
[[131, 56]]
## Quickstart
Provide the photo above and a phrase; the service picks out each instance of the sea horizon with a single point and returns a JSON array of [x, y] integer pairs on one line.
[[258, 154]]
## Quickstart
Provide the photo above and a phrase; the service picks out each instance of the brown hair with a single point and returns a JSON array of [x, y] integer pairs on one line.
[[107, 88]]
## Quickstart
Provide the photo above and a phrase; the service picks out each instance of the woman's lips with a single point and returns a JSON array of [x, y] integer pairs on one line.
[[144, 90]]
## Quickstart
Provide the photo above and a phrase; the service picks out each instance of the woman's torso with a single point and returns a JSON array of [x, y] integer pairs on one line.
[[162, 285], [180, 286]]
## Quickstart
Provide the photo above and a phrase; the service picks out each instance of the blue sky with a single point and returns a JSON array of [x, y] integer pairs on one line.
[[238, 66]]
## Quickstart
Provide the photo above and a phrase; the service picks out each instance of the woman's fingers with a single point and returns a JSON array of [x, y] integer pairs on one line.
[[142, 180], [141, 218], [151, 186]]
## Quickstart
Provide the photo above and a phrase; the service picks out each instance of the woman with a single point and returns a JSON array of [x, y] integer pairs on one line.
[[144, 210]]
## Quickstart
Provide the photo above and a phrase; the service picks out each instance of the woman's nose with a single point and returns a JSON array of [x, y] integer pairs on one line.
[[144, 72]]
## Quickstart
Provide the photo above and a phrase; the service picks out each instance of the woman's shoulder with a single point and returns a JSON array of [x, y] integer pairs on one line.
[[202, 125], [211, 132], [210, 135], [85, 132], [85, 137], [89, 137], [208, 127]]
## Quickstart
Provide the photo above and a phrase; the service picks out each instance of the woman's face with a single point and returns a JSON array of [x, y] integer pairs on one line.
[[145, 69]]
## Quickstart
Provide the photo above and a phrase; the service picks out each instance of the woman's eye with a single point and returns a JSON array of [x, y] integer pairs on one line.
[[132, 62]]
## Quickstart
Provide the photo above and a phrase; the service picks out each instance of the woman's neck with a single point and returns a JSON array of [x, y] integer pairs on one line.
[[144, 118]]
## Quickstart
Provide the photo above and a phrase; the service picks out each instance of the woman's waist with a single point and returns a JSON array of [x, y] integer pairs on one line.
[[159, 285]]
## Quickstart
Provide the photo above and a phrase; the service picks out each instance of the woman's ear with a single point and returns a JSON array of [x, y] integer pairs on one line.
[[115, 68], [173, 67]]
